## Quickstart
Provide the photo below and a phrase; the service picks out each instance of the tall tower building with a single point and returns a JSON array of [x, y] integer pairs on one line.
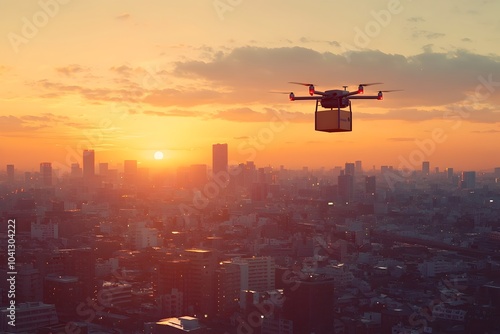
[[46, 173], [129, 171], [468, 180], [345, 187], [219, 158], [350, 168], [358, 167], [201, 282], [370, 185], [88, 164], [10, 173], [426, 168]]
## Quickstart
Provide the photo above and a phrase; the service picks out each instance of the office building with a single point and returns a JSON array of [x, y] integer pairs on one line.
[[370, 185], [309, 304], [46, 173], [345, 187], [350, 168], [468, 180], [200, 282], [10, 173], [426, 168], [88, 164], [219, 158]]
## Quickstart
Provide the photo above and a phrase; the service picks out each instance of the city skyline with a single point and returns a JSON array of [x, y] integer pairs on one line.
[[68, 85]]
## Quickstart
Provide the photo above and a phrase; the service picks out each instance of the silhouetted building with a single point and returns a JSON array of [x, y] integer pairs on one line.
[[65, 292], [426, 168], [468, 180], [219, 158], [358, 167], [200, 282], [345, 187], [46, 173], [10, 173], [350, 168], [309, 303], [76, 171], [103, 169], [370, 184], [88, 164]]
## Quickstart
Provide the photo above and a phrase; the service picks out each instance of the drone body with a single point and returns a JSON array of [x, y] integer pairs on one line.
[[334, 118]]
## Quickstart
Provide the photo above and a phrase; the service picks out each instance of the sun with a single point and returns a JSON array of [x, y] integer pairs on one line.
[[158, 155]]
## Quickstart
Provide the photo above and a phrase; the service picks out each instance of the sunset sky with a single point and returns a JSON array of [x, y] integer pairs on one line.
[[129, 78]]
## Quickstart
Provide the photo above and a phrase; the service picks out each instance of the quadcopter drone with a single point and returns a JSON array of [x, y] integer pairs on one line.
[[336, 119]]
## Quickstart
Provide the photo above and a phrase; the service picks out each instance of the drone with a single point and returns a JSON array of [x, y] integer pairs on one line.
[[336, 118]]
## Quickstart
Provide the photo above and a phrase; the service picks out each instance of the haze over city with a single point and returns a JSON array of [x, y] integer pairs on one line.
[[128, 80]]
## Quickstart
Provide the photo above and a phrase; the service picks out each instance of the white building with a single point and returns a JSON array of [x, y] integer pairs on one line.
[[257, 273]]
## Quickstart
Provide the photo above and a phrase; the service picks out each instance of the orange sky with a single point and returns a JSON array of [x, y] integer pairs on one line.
[[127, 80]]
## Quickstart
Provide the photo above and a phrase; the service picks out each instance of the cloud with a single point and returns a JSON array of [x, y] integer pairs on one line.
[[124, 16], [71, 70], [426, 34], [416, 19], [428, 78]]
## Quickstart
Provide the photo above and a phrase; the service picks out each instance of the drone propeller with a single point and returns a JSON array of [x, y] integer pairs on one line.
[[301, 83], [311, 86], [370, 84], [392, 90]]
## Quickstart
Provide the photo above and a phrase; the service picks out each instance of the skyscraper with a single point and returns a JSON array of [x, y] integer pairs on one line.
[[468, 180], [358, 166], [345, 187], [370, 184], [219, 158], [349, 168], [425, 167], [10, 173], [88, 164], [46, 173]]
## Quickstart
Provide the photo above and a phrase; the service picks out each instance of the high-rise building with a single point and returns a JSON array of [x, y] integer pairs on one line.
[[449, 173], [468, 180], [426, 167], [227, 291], [350, 168], [370, 185], [345, 187], [65, 292], [88, 164], [10, 173], [130, 171], [309, 303], [76, 171], [219, 158], [358, 167], [257, 273], [46, 173], [200, 282]]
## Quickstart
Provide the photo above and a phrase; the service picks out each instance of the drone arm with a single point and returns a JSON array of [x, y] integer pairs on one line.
[[373, 97], [306, 98]]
